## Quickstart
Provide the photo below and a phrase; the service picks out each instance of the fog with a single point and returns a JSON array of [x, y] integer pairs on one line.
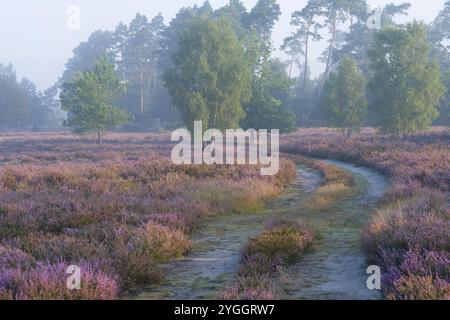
[[35, 37]]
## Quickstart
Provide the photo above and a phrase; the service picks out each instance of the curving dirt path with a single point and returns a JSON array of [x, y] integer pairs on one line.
[[215, 257], [336, 267], [334, 270]]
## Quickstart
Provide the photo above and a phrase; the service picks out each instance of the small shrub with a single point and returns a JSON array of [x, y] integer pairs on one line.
[[165, 243], [133, 261], [282, 243], [285, 241], [49, 282], [12, 258], [414, 287]]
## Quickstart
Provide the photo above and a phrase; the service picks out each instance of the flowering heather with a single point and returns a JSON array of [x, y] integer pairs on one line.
[[48, 282], [12, 258], [281, 244], [424, 158], [122, 206], [409, 236], [46, 148]]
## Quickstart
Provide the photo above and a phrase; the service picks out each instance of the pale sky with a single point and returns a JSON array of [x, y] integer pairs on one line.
[[35, 38]]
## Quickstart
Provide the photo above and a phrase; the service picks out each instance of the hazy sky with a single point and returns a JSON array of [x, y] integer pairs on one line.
[[35, 38]]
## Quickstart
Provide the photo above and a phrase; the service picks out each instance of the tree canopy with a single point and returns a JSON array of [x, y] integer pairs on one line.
[[90, 99], [271, 96], [345, 102], [210, 80], [22, 105], [406, 83]]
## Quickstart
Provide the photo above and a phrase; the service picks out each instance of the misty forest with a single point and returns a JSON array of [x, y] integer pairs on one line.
[[86, 177]]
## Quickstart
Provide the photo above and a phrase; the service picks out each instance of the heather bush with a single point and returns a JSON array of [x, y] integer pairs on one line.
[[49, 282], [285, 243], [13, 258], [248, 289], [281, 244], [415, 287], [258, 264], [54, 248], [325, 197], [133, 260], [247, 196], [164, 243], [399, 229], [427, 263], [410, 242], [171, 220]]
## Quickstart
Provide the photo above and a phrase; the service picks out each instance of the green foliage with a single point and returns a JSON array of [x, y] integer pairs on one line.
[[138, 45], [439, 35], [271, 96], [89, 100], [345, 101], [142, 52], [22, 106], [406, 85], [360, 38], [303, 103], [210, 79], [444, 117], [262, 18], [308, 26], [307, 29], [86, 54], [12, 101], [235, 12]]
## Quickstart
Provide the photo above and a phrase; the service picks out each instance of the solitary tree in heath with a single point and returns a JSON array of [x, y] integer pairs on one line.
[[210, 79], [345, 102], [406, 85], [89, 100]]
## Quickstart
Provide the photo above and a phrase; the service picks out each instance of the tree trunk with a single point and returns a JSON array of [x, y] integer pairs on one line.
[[142, 92], [305, 72], [291, 65], [330, 56], [99, 137], [331, 49], [155, 75]]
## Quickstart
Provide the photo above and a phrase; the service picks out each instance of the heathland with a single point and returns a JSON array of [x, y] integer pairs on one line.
[[122, 211]]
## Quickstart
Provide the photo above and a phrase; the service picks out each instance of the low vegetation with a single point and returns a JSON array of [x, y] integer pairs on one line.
[[121, 209], [116, 219], [338, 184], [408, 237], [282, 243]]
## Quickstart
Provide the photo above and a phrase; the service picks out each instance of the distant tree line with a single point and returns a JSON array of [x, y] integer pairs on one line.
[[395, 78], [217, 66], [23, 107], [210, 65]]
